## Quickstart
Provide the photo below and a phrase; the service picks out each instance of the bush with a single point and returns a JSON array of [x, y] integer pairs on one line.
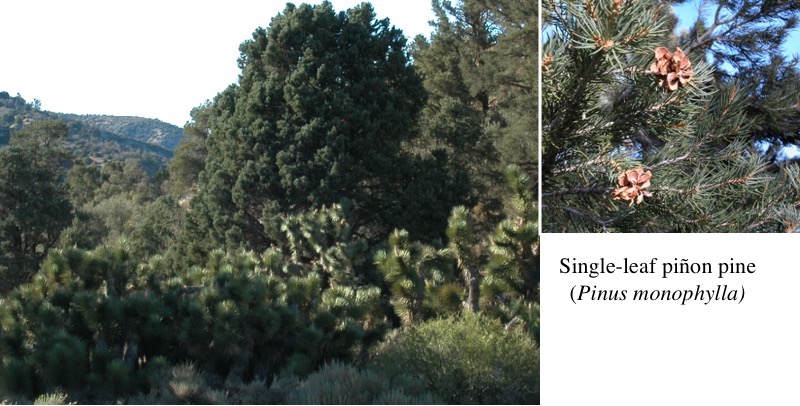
[[56, 398], [469, 359], [183, 384], [341, 384]]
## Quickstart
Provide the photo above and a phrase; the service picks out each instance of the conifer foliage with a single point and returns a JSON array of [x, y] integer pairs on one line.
[[34, 205], [93, 324], [323, 105], [638, 136], [479, 68]]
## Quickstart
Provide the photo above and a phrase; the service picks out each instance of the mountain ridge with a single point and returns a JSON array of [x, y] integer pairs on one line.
[[97, 137], [147, 130]]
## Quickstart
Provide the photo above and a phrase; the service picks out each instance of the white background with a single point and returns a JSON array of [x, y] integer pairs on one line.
[[149, 58], [632, 353]]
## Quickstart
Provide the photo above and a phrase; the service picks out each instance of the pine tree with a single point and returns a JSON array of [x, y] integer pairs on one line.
[[34, 204], [190, 155], [323, 106], [479, 68], [639, 136]]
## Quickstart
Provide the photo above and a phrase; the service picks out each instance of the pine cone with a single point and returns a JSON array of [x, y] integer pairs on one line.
[[673, 70], [632, 185], [546, 62]]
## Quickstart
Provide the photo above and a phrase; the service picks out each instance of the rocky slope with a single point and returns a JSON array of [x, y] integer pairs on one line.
[[98, 138]]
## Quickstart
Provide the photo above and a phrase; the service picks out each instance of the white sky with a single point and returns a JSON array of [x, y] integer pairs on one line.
[[155, 59]]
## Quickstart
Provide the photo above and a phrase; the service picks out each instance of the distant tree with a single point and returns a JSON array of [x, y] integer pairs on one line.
[[83, 181], [158, 228], [34, 203], [190, 156], [128, 177], [323, 106], [111, 203], [41, 134]]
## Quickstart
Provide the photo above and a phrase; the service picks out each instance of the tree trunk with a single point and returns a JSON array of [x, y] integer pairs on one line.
[[473, 289]]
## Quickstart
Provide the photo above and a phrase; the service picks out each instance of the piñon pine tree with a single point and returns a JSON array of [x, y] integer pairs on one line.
[[321, 112]]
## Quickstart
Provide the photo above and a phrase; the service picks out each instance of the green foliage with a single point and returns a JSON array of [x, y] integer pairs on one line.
[[34, 207], [480, 71], [120, 201], [84, 328], [40, 135], [158, 227], [321, 110], [461, 236], [500, 275], [55, 398], [512, 273], [471, 359], [17, 376], [241, 315], [745, 41], [190, 155], [604, 114], [84, 181], [324, 240], [125, 178], [61, 358], [339, 384], [416, 273]]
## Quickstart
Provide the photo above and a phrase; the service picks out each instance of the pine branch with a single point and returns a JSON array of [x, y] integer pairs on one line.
[[603, 223], [597, 161], [687, 155], [578, 191]]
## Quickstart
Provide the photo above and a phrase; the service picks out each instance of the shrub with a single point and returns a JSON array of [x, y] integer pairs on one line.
[[468, 359], [56, 398], [183, 384], [341, 384]]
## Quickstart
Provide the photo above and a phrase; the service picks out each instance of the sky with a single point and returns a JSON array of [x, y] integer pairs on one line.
[[155, 59], [687, 13]]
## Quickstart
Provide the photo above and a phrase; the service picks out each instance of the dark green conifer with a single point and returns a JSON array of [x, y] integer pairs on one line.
[[34, 204], [321, 111]]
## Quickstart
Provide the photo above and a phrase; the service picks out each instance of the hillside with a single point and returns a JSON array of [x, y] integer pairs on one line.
[[144, 130], [98, 137]]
